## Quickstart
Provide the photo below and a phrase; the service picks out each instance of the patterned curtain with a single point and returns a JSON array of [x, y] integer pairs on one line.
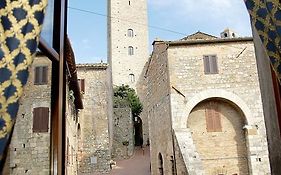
[[20, 26], [266, 18]]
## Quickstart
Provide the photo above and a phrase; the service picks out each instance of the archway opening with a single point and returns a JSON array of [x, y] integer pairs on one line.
[[217, 130], [138, 131]]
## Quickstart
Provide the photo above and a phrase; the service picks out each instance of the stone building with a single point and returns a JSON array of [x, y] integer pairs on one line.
[[31, 141], [128, 46], [96, 118], [205, 107]]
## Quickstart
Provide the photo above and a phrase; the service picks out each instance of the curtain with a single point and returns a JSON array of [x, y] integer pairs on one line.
[[266, 18], [20, 26]]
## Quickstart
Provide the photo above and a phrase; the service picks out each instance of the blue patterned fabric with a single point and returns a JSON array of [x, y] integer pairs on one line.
[[20, 26], [266, 17]]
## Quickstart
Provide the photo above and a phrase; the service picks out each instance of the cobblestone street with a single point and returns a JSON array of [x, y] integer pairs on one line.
[[137, 165]]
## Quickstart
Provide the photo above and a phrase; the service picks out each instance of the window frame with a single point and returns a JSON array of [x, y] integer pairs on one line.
[[41, 76], [40, 120], [210, 63], [213, 117]]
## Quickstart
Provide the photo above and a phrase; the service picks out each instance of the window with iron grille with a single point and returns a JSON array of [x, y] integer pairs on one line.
[[210, 64], [213, 118], [41, 75], [40, 119]]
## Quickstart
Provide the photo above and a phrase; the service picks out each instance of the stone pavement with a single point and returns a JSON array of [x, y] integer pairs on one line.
[[139, 164]]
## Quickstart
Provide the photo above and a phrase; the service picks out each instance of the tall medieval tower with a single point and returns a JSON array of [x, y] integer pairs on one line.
[[127, 40]]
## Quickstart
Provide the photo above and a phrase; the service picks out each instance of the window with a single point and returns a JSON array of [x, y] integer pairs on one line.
[[210, 64], [129, 2], [130, 33], [213, 119], [41, 119], [81, 83], [41, 75], [161, 168], [130, 50], [132, 78]]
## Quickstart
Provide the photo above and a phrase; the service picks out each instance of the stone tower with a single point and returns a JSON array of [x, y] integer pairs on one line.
[[127, 40]]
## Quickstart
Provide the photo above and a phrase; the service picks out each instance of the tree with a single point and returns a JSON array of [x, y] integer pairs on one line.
[[126, 96]]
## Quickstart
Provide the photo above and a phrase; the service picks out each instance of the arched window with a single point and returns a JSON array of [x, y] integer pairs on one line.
[[130, 50], [160, 159], [132, 78], [130, 33]]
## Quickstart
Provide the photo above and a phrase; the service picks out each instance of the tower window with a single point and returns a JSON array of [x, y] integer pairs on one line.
[[130, 33], [132, 78], [210, 64], [129, 2], [130, 50]]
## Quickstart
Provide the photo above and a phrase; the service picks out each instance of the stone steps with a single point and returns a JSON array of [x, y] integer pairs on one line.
[[191, 157]]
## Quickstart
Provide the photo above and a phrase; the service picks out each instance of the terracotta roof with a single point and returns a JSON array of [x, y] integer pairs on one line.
[[93, 65], [73, 81], [199, 36]]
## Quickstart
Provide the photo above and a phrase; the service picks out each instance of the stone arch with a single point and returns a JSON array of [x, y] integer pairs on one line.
[[217, 93]]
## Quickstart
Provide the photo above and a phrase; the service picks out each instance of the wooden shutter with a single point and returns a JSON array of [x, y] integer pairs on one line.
[[40, 119], [36, 76], [213, 119], [216, 118], [81, 83], [44, 75], [206, 64], [41, 75], [213, 64]]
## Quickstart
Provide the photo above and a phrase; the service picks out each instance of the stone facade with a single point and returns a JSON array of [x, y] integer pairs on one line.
[[72, 135], [123, 139], [270, 111], [94, 142], [176, 78], [34, 146], [128, 28], [30, 151]]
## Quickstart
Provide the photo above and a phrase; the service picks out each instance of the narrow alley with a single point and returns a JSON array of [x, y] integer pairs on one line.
[[139, 164]]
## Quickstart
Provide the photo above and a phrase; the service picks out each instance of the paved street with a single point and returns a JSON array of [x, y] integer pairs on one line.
[[137, 165]]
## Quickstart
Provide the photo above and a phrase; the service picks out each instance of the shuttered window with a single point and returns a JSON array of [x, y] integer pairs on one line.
[[41, 75], [210, 64], [41, 119], [81, 83], [213, 118]]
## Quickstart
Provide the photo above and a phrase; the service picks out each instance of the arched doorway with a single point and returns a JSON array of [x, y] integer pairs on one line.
[[161, 168], [217, 131], [138, 131]]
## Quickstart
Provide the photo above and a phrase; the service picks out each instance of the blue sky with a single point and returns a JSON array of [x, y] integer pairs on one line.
[[87, 31]]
